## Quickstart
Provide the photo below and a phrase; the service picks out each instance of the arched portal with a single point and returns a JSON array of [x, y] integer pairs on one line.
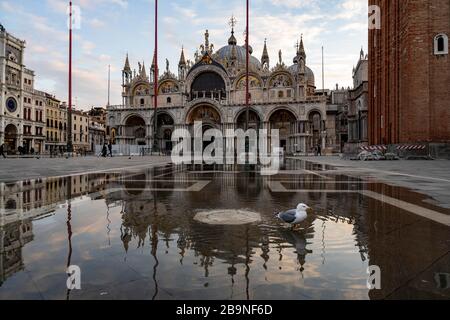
[[283, 120], [205, 113], [208, 85], [165, 128], [316, 127], [11, 138], [209, 117], [254, 121], [135, 130]]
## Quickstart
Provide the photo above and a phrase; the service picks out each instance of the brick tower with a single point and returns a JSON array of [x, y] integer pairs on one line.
[[409, 72]]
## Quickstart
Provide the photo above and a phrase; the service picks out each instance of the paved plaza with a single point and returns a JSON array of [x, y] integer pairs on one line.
[[431, 178], [32, 168]]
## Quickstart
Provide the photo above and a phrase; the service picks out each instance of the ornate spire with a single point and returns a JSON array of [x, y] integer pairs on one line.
[[265, 55], [127, 65], [143, 72], [301, 50], [182, 58], [154, 61]]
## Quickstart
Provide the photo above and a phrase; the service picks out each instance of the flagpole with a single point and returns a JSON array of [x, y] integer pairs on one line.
[[323, 73], [69, 114], [109, 84], [247, 68], [155, 80]]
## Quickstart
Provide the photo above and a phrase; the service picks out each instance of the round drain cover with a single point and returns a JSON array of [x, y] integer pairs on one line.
[[227, 217]]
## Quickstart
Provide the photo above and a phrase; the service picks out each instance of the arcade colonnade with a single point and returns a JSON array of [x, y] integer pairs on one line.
[[298, 133]]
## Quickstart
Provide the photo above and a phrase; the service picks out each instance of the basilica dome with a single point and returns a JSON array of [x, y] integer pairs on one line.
[[225, 53], [309, 74]]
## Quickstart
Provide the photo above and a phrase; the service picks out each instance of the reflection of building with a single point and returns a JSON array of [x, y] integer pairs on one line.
[[409, 73], [212, 89], [13, 237]]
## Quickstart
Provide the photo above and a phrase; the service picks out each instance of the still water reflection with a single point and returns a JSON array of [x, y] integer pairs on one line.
[[134, 236]]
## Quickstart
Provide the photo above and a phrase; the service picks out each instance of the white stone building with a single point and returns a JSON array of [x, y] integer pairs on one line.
[[12, 74], [212, 89]]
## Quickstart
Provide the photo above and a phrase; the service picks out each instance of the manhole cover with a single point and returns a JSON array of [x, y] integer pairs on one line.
[[227, 217]]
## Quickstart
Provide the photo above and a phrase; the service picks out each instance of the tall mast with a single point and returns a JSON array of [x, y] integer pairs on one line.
[[69, 113], [155, 80], [247, 113]]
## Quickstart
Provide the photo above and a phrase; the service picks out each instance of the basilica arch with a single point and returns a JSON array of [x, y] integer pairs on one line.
[[165, 125], [214, 71], [135, 130], [255, 120], [284, 120], [206, 113]]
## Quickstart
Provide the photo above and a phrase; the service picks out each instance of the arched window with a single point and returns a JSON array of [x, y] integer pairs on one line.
[[280, 94], [441, 44], [169, 100], [142, 102]]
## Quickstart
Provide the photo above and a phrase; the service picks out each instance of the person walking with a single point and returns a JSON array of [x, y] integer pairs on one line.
[[319, 150], [104, 151], [110, 149], [2, 150]]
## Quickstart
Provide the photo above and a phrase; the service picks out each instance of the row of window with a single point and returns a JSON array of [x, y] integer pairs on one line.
[[37, 102], [38, 130], [27, 115]]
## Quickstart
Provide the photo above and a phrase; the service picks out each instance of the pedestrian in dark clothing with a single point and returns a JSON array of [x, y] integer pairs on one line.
[[110, 149], [104, 151], [2, 151], [319, 150]]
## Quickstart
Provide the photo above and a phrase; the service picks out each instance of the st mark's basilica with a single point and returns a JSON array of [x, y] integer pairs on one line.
[[211, 89]]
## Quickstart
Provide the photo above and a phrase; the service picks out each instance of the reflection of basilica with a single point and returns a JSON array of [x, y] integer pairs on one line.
[[212, 89]]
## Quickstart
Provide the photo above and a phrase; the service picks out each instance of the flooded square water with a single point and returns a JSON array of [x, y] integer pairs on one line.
[[134, 235]]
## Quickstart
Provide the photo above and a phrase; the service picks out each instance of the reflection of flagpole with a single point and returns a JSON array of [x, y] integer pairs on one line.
[[69, 226], [154, 244], [247, 264]]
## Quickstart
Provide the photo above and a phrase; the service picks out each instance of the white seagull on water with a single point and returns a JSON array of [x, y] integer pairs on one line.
[[294, 216]]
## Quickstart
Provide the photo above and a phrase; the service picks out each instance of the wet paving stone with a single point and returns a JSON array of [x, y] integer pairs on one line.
[[134, 235]]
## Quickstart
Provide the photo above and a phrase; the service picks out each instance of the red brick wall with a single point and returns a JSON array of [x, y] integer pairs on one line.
[[409, 87]]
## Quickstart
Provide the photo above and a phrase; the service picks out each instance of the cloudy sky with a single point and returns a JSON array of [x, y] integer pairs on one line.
[[111, 28]]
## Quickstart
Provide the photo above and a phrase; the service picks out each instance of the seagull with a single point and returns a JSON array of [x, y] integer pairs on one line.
[[294, 216]]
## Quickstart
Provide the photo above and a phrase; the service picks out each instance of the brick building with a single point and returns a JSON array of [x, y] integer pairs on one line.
[[409, 73]]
